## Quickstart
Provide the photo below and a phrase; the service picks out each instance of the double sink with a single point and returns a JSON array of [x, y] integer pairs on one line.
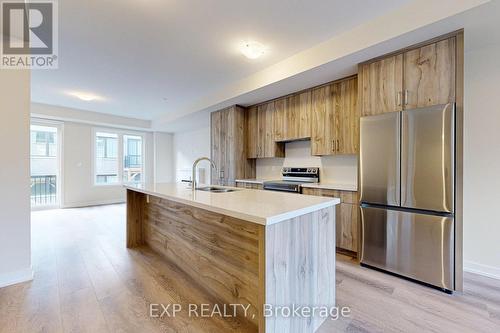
[[215, 189]]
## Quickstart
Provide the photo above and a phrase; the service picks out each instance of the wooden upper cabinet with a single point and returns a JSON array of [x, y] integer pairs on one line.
[[252, 132], [261, 139], [322, 121], [292, 119], [346, 116], [335, 118], [381, 86], [420, 77], [228, 146], [302, 106], [281, 107], [429, 74]]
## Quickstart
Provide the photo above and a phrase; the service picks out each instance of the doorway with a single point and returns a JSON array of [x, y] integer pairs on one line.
[[45, 152]]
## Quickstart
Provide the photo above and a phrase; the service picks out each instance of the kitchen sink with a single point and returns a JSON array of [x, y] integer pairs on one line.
[[215, 189]]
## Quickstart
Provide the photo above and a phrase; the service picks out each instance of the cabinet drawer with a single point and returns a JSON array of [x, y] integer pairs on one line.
[[348, 197], [249, 185]]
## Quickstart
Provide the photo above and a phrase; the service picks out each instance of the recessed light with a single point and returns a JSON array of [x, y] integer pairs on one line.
[[87, 97], [252, 49]]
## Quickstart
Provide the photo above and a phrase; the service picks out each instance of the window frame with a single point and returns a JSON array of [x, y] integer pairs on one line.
[[120, 152]]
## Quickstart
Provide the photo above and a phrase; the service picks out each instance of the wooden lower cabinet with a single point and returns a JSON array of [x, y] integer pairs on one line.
[[250, 185], [347, 218]]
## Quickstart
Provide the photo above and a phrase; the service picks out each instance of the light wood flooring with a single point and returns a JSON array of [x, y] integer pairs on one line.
[[87, 281]]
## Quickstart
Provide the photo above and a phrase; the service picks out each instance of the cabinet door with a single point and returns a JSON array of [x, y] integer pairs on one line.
[[228, 147], [322, 125], [347, 212], [381, 86], [252, 132], [217, 143], [292, 117], [346, 117], [266, 144], [265, 140], [302, 109], [429, 77], [279, 119], [347, 227], [298, 116]]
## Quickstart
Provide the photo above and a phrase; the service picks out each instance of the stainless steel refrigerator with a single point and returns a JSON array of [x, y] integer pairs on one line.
[[407, 182]]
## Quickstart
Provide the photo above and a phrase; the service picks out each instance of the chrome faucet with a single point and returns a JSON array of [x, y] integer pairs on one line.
[[195, 164]]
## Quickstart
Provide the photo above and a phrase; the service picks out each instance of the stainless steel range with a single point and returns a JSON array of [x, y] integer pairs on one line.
[[292, 178]]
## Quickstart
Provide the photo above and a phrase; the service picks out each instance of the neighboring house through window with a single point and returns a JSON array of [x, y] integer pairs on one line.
[[114, 165]]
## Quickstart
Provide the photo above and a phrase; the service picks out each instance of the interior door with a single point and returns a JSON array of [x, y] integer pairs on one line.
[[380, 159], [418, 246], [45, 164], [427, 158]]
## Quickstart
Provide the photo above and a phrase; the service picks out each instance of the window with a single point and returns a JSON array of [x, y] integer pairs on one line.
[[43, 141], [118, 158], [132, 159], [107, 145], [106, 159]]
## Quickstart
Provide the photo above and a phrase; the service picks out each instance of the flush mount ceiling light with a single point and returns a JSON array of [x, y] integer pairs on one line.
[[252, 49], [87, 97]]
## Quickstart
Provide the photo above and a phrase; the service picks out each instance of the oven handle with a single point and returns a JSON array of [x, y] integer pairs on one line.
[[281, 189]]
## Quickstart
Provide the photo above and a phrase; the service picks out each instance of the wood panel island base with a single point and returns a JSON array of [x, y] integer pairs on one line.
[[266, 251]]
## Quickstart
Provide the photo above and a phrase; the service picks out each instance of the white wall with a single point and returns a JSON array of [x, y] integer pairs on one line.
[[482, 141], [87, 117], [341, 169], [78, 177], [15, 234], [188, 146], [164, 171]]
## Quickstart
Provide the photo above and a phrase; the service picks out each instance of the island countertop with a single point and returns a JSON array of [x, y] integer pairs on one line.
[[262, 207]]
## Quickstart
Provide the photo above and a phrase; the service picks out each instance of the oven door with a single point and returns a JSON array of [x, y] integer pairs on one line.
[[282, 187]]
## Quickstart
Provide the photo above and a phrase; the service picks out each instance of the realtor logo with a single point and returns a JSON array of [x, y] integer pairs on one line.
[[29, 34]]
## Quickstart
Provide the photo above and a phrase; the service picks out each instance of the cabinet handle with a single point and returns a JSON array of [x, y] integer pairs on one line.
[[338, 145], [406, 96], [399, 98], [333, 141]]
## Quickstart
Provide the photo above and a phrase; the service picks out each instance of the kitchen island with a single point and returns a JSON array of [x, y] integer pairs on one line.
[[265, 250]]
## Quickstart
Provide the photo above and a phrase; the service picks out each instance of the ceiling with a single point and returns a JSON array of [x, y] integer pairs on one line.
[[152, 58]]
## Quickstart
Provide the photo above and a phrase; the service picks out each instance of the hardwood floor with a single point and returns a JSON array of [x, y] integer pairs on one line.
[[87, 281]]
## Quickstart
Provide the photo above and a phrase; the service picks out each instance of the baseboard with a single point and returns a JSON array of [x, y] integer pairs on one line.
[[8, 279], [485, 270], [93, 203]]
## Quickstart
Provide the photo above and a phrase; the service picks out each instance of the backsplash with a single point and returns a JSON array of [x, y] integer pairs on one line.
[[339, 169]]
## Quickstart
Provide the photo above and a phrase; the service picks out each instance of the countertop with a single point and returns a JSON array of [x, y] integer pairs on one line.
[[257, 206], [324, 186]]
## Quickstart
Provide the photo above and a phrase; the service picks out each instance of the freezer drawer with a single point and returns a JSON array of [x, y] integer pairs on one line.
[[427, 158], [417, 246], [380, 159]]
